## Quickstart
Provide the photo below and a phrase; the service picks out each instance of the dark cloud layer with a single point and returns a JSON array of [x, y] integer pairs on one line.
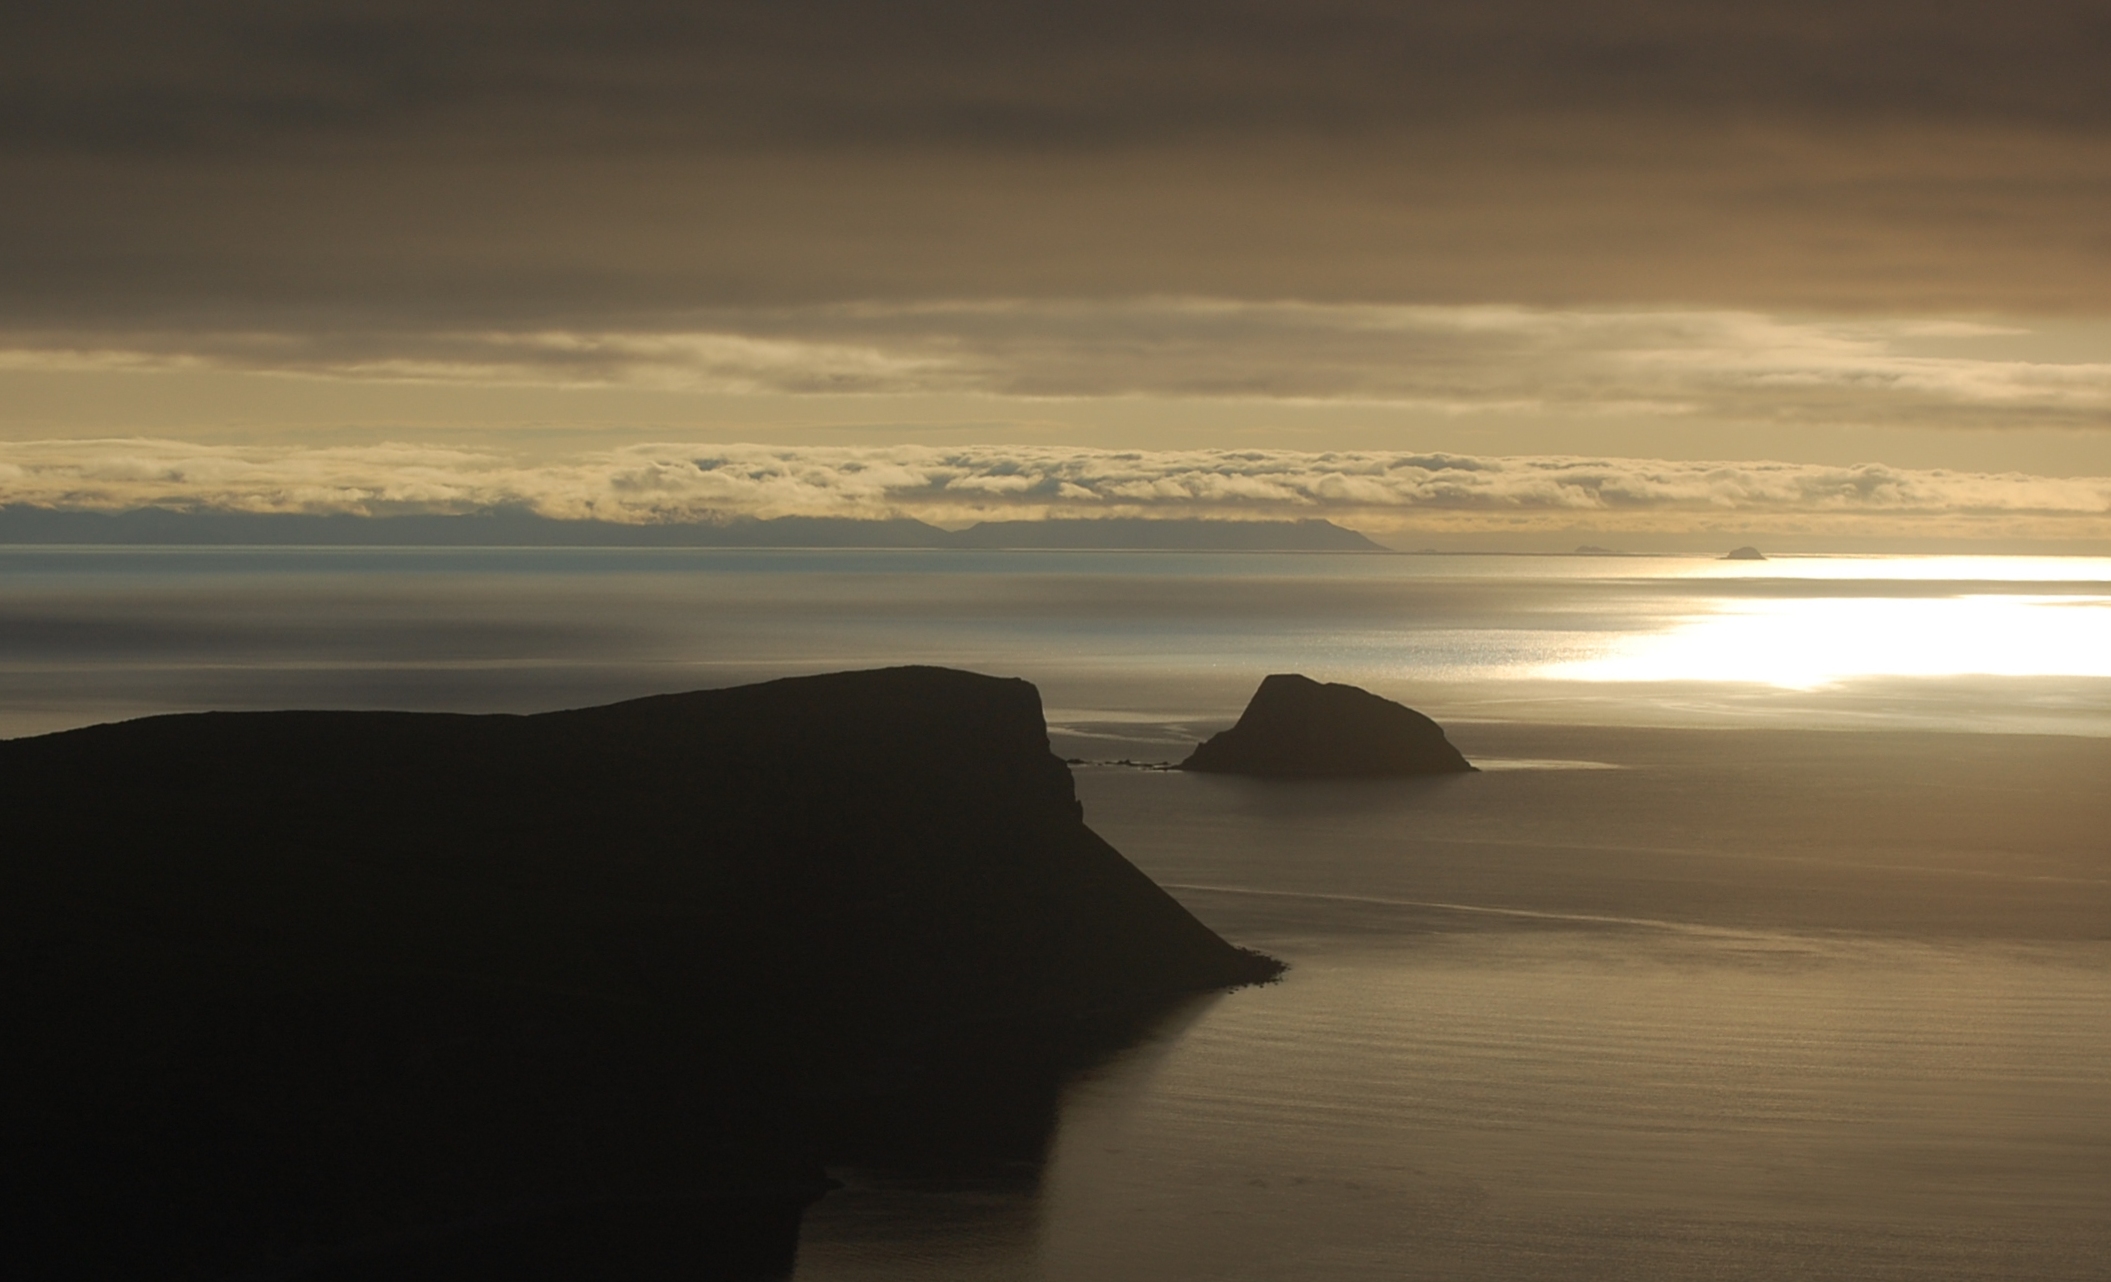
[[332, 167], [132, 77]]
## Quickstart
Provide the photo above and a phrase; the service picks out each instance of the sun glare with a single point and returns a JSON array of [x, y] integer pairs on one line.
[[1914, 569], [1809, 643]]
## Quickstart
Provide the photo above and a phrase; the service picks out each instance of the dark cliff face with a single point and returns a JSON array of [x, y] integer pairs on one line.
[[360, 973], [1295, 727]]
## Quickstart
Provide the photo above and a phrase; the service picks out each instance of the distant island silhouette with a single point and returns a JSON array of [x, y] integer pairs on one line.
[[1149, 533], [363, 995], [22, 523], [1295, 727], [1746, 553]]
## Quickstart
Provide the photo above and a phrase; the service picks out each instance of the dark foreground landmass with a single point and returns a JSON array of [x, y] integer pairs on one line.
[[1295, 727], [25, 524], [590, 993]]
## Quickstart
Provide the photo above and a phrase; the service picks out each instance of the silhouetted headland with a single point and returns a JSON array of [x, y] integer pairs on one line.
[[587, 993], [1295, 727]]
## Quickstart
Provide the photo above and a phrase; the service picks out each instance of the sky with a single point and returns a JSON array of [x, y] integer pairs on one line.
[[1441, 271]]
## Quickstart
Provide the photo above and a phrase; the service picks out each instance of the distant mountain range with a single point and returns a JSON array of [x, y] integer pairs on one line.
[[1167, 535], [21, 523]]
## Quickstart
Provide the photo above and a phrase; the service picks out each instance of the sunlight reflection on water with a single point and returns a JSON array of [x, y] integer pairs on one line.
[[1804, 644], [1980, 643], [1959, 569]]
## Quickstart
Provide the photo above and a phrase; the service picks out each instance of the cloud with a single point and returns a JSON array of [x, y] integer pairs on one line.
[[567, 167], [1377, 492], [245, 75], [1710, 366]]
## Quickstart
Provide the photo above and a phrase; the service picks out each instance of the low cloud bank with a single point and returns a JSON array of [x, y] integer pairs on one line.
[[1378, 493], [1705, 366]]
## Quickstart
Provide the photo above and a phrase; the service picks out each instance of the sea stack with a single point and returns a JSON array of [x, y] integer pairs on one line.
[[1297, 728]]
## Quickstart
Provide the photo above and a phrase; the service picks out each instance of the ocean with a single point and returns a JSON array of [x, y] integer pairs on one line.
[[1773, 939]]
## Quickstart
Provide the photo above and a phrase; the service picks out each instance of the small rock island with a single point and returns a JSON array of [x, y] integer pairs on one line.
[[366, 995], [1298, 728], [1745, 553]]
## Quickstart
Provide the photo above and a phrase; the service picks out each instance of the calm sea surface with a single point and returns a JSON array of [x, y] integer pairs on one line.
[[1774, 941]]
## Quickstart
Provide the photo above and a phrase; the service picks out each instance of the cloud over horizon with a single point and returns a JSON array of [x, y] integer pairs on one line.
[[1713, 366], [1381, 493], [1775, 228]]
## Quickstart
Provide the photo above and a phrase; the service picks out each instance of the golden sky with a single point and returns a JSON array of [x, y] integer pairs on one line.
[[1818, 236]]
